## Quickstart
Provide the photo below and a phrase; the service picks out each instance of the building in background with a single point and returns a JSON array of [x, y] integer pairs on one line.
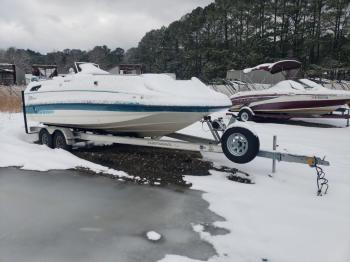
[[127, 69], [7, 74]]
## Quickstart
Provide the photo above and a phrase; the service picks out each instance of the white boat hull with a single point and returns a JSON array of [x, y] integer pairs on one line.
[[141, 124]]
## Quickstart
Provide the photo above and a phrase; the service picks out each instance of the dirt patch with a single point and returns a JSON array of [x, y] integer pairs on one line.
[[152, 165]]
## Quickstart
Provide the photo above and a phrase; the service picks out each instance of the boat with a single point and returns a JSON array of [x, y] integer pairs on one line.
[[292, 97], [147, 105]]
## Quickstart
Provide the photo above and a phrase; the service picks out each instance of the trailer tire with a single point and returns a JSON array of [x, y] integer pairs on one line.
[[240, 145], [45, 138], [59, 141], [245, 115]]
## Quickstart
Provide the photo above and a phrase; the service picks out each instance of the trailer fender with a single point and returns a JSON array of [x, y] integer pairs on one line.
[[249, 109], [245, 114], [243, 125]]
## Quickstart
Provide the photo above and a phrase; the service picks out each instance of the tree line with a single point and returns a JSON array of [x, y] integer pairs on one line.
[[227, 34], [65, 59], [235, 34]]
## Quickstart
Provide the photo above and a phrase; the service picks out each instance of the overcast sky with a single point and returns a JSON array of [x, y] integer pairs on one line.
[[47, 25]]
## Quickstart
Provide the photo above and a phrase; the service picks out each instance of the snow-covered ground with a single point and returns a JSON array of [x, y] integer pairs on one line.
[[278, 218], [18, 150]]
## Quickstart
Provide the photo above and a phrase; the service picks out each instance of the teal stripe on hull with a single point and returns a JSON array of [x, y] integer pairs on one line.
[[37, 109]]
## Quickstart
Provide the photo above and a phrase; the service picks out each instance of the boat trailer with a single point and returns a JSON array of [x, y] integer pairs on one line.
[[236, 146], [237, 152]]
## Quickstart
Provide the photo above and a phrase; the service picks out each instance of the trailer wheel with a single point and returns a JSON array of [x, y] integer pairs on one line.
[[59, 141], [245, 115], [240, 145], [45, 138]]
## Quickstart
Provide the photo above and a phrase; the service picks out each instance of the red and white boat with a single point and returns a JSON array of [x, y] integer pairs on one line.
[[297, 97]]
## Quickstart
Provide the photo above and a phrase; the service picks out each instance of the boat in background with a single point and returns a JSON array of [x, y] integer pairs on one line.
[[288, 98], [146, 105]]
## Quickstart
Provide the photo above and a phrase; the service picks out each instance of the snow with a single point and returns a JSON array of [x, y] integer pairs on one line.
[[280, 218], [89, 68], [258, 67], [268, 66], [153, 236], [293, 87], [147, 89], [18, 150]]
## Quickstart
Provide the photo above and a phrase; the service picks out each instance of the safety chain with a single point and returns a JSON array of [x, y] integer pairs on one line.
[[322, 181]]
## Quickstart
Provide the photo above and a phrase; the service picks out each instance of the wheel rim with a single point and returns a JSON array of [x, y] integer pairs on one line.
[[45, 139], [60, 143], [237, 144], [244, 116]]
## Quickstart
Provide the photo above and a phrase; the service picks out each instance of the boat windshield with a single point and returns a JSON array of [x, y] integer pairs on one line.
[[300, 85], [308, 84]]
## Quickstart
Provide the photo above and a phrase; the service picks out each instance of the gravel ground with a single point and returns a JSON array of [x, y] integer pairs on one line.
[[152, 165]]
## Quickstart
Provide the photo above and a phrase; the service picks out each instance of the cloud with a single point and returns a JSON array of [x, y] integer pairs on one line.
[[45, 26]]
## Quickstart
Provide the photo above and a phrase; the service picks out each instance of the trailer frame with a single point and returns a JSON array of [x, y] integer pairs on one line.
[[175, 141]]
